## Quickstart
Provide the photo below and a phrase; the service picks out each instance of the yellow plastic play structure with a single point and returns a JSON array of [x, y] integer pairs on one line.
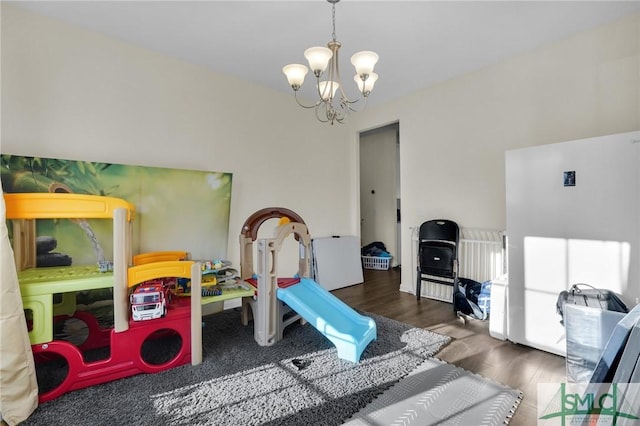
[[39, 285]]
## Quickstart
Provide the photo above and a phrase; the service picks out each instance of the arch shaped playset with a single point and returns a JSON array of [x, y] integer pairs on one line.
[[279, 302]]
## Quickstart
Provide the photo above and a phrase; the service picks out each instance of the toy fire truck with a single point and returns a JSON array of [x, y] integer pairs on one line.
[[149, 300]]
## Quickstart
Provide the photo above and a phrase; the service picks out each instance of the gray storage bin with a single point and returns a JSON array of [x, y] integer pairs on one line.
[[587, 332]]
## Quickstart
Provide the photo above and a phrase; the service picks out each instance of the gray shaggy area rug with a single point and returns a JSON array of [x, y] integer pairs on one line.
[[297, 381]]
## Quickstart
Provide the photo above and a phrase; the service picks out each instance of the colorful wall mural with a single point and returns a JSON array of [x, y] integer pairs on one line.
[[176, 209]]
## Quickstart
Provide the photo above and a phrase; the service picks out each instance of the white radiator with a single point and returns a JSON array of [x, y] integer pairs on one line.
[[481, 254], [481, 257]]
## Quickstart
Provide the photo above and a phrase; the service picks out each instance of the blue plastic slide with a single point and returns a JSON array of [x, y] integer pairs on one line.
[[349, 331]]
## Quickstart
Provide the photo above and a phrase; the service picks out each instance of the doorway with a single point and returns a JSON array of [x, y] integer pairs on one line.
[[380, 188]]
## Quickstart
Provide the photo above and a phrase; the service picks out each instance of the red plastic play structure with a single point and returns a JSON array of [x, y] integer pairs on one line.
[[125, 352]]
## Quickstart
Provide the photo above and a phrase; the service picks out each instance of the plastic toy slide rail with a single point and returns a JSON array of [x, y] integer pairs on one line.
[[349, 331]]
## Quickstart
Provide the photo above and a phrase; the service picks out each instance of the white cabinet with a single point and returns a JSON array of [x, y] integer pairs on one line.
[[498, 308]]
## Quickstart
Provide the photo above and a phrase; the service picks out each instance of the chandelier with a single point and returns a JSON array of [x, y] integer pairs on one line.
[[332, 105]]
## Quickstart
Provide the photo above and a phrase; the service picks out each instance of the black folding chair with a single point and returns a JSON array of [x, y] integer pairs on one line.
[[438, 254]]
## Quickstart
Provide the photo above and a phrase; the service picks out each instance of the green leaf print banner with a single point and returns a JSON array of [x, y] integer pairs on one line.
[[176, 209]]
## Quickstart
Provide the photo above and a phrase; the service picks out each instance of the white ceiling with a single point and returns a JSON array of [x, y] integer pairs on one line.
[[420, 43]]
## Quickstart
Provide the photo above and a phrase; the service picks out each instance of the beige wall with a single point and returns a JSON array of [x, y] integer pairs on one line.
[[453, 136], [72, 94], [68, 93]]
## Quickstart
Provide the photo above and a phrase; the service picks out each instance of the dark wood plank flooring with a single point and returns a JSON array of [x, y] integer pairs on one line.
[[471, 348]]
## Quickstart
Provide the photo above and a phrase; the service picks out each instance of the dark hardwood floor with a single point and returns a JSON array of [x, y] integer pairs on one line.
[[471, 348]]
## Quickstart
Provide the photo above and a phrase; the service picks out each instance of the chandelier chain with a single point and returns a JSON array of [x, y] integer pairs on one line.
[[333, 20]]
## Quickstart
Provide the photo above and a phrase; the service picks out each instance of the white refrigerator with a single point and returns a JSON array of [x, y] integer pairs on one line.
[[572, 217]]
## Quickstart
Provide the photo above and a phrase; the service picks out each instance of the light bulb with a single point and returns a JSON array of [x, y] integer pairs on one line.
[[327, 89], [318, 58], [366, 86], [295, 74], [364, 61]]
